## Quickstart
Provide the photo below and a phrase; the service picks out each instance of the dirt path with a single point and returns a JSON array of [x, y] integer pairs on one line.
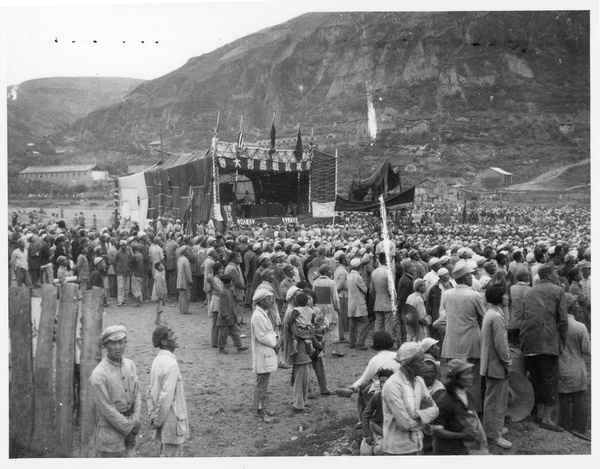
[[544, 178]]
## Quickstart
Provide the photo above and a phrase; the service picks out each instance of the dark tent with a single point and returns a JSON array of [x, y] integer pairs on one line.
[[385, 179], [393, 202]]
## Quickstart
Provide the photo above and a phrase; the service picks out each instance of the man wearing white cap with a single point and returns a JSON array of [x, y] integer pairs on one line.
[[357, 307], [264, 350], [431, 277], [116, 395], [464, 313], [407, 404]]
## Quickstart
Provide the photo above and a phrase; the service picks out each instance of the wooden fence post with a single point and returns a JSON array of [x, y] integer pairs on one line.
[[43, 428], [91, 355], [65, 367], [21, 372]]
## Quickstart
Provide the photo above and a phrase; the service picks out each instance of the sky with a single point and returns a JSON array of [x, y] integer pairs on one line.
[[146, 40], [130, 40]]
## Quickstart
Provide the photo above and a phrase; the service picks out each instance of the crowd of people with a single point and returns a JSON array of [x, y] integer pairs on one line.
[[435, 295]]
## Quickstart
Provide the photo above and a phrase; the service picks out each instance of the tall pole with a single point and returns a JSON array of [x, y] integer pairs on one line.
[[213, 149], [336, 186]]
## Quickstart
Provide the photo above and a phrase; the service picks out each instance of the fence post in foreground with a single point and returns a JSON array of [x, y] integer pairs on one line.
[[65, 367], [21, 370], [43, 429], [91, 355]]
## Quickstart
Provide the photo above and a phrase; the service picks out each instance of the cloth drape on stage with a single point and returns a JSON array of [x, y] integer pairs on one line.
[[384, 179]]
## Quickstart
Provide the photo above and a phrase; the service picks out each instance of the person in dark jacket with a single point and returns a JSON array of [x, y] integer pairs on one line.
[[227, 320], [543, 334]]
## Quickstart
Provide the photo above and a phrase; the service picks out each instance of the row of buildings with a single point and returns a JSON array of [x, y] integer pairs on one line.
[[66, 175]]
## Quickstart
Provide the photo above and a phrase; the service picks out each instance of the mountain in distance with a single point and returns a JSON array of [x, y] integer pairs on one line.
[[495, 88], [42, 107]]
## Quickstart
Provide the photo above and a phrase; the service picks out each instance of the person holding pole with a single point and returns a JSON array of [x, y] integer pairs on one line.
[[117, 400]]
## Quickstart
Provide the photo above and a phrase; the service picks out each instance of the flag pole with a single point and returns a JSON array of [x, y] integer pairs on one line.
[[387, 252], [336, 187]]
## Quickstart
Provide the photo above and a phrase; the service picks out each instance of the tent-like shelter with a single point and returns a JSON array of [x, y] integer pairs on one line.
[[198, 187]]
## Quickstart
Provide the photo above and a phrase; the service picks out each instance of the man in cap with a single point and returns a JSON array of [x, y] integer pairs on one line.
[[464, 313], [431, 277], [357, 307], [239, 285], [407, 404], [121, 266], [184, 279], [380, 287], [166, 399], [340, 277], [115, 390], [543, 334], [264, 350], [20, 265], [329, 303]]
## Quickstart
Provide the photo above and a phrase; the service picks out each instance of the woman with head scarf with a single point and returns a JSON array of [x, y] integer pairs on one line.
[[457, 427]]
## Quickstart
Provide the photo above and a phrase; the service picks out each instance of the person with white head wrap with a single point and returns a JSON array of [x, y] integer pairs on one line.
[[264, 350], [407, 404]]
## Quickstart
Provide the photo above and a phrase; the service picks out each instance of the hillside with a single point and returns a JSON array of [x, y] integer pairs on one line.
[[39, 108], [494, 87]]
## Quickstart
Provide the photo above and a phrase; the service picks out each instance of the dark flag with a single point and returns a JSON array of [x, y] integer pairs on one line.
[[216, 133], [464, 213], [298, 150], [272, 148], [240, 139]]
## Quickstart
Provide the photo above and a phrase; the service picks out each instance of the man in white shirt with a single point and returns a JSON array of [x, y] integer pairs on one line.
[[166, 399]]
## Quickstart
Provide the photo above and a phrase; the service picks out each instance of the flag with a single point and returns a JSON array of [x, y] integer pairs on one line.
[[464, 213], [298, 150], [216, 135], [240, 140], [272, 148]]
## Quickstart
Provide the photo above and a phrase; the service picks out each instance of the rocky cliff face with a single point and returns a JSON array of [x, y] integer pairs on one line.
[[321, 69]]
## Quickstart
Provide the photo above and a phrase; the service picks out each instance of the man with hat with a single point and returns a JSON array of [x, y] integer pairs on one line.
[[357, 307], [121, 266], [407, 404], [166, 399], [431, 277], [264, 350], [115, 390], [464, 313], [340, 277], [328, 302], [543, 335]]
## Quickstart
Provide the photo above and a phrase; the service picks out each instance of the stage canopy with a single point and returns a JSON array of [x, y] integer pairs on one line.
[[184, 184], [385, 179]]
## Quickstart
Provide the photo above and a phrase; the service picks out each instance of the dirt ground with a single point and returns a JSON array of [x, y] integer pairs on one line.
[[219, 392]]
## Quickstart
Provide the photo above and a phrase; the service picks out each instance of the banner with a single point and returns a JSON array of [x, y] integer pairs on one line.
[[241, 163], [323, 209], [494, 191]]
